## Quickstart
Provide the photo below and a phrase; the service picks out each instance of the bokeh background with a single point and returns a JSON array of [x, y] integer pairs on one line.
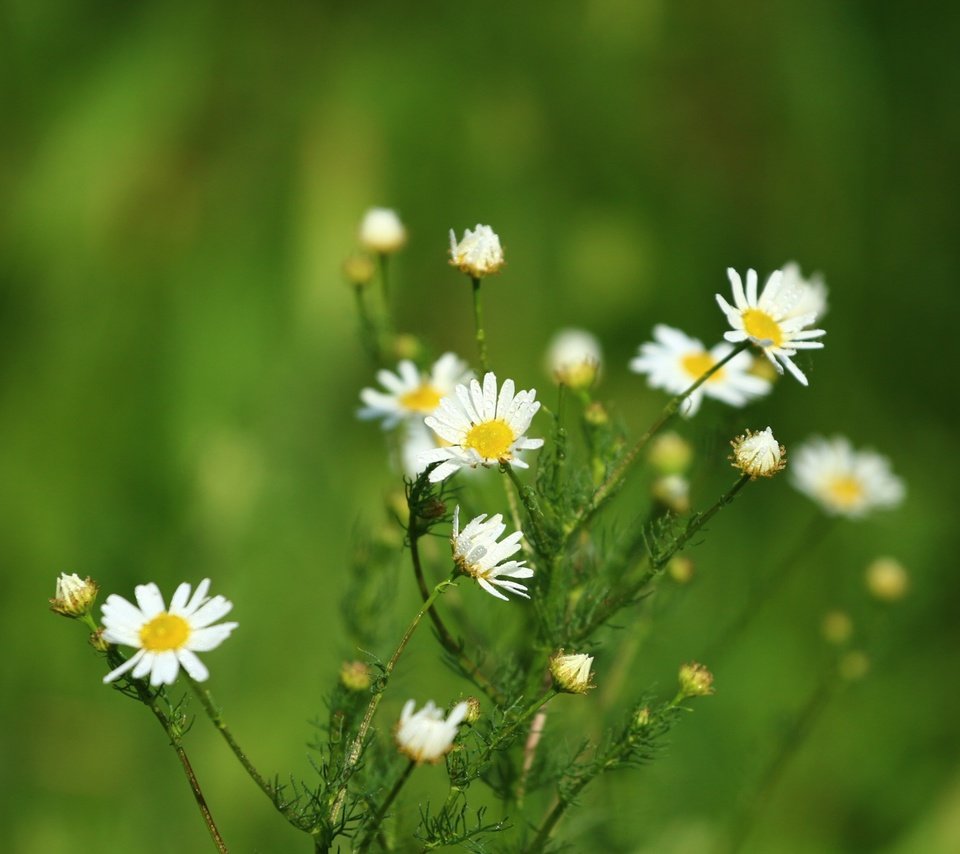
[[180, 369]]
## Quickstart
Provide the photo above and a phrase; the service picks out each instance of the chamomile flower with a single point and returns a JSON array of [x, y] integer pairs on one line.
[[809, 296], [481, 427], [845, 482], [477, 553], [479, 254], [382, 231], [410, 393], [74, 595], [571, 673], [166, 638], [770, 321], [574, 358], [674, 361], [426, 736], [758, 454]]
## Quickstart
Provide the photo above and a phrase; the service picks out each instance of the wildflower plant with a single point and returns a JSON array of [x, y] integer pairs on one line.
[[522, 493]]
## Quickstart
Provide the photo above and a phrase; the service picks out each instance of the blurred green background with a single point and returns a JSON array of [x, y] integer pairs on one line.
[[180, 369]]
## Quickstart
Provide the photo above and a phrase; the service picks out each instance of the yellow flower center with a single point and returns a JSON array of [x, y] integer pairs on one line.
[[490, 439], [697, 364], [845, 491], [760, 325], [424, 398], [164, 632]]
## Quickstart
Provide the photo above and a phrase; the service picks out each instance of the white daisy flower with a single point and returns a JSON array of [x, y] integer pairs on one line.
[[769, 321], [381, 231], [483, 428], [477, 553], [411, 393], [425, 736], [571, 673], [674, 361], [479, 254], [758, 454], [166, 639], [574, 358], [845, 482], [808, 296]]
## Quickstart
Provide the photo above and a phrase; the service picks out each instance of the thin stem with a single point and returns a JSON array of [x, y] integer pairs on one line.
[[174, 733], [615, 479], [374, 826], [216, 718], [481, 335], [530, 504], [383, 263], [789, 746], [766, 589], [369, 334], [453, 647], [356, 746]]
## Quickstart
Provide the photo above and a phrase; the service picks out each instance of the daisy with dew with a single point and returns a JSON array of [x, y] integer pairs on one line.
[[477, 553], [482, 427], [674, 361], [426, 736], [411, 393], [769, 321], [479, 254], [845, 482], [166, 638]]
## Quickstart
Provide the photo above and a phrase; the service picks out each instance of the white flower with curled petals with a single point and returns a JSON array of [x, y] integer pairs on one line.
[[481, 427], [165, 638], [426, 736], [477, 553], [770, 321], [479, 254]]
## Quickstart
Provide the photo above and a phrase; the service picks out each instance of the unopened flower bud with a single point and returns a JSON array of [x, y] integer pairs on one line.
[[571, 673], [758, 454], [574, 358], [680, 569], [358, 269], [596, 414], [473, 710], [406, 346], [837, 627], [97, 641], [642, 718], [673, 492], [670, 453], [479, 254], [355, 676], [695, 680], [887, 580], [74, 596], [381, 231]]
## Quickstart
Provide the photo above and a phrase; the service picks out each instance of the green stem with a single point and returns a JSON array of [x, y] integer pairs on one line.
[[149, 699], [470, 668], [615, 479], [383, 262], [534, 512], [356, 746], [789, 746], [369, 335], [481, 335], [374, 826]]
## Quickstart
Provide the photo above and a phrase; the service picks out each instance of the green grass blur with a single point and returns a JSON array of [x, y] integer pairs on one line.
[[180, 369]]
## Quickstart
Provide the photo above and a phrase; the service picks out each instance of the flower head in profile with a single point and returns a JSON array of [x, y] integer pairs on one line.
[[381, 231], [770, 320], [674, 361], [695, 680], [807, 296], [571, 673], [426, 736], [845, 482], [479, 254], [166, 638], [411, 393], [74, 596], [758, 454], [574, 358], [477, 553], [482, 427]]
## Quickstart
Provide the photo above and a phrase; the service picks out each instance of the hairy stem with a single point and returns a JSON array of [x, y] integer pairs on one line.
[[481, 334], [374, 827]]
